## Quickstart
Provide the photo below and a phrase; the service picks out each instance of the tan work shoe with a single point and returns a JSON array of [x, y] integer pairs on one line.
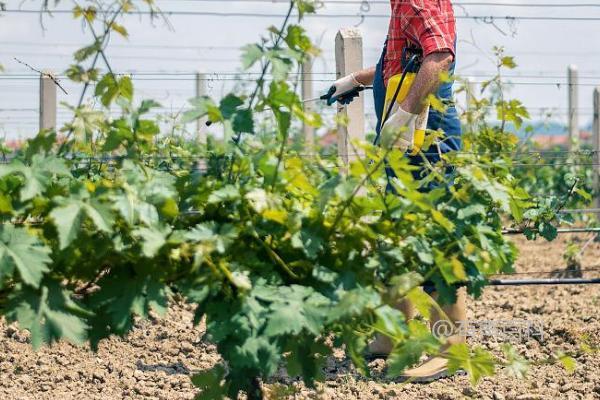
[[432, 369]]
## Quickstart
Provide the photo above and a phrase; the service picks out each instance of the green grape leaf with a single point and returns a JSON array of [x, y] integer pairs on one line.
[[47, 313], [568, 362], [224, 194], [408, 353], [110, 88], [120, 298], [211, 383], [243, 122], [229, 105], [402, 284], [153, 239], [515, 365], [70, 215], [471, 210], [477, 363], [421, 301], [548, 231], [391, 322], [287, 319], [202, 107], [20, 250], [251, 53], [306, 357], [41, 143], [37, 176]]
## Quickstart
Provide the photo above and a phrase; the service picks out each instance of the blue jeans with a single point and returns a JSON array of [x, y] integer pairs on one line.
[[447, 121]]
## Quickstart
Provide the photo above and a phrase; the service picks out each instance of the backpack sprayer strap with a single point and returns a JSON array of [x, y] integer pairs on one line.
[[398, 87]]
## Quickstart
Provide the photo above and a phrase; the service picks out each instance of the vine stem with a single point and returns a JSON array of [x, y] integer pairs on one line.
[[274, 256], [260, 82], [366, 167], [268, 63], [361, 184], [284, 140], [261, 78], [568, 196], [93, 65]]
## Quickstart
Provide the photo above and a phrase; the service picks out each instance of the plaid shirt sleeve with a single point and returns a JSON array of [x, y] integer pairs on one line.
[[431, 24]]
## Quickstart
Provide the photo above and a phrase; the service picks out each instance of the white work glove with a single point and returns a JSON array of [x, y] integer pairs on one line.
[[343, 90], [398, 131]]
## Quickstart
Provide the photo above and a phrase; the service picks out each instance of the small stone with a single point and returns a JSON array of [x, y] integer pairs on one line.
[[187, 347], [469, 391], [528, 396], [98, 376], [565, 388], [498, 396], [138, 375], [10, 331], [535, 385]]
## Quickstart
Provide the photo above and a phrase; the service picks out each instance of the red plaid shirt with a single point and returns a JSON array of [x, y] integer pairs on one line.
[[428, 24]]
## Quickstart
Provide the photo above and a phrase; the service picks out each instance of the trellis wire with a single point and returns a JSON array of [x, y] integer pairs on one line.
[[556, 271], [543, 282], [514, 231], [483, 18]]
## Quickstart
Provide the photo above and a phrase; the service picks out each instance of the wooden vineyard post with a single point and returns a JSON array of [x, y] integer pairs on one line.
[[47, 102], [596, 146], [200, 90], [348, 59], [307, 94], [573, 105]]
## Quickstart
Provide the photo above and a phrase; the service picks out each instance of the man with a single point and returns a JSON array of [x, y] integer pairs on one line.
[[421, 39]]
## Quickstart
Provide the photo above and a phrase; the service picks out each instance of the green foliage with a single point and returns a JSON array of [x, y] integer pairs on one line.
[[21, 251], [278, 252], [567, 362], [476, 362], [409, 352], [516, 365]]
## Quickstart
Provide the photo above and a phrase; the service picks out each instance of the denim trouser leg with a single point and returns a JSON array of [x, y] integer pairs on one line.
[[447, 121]]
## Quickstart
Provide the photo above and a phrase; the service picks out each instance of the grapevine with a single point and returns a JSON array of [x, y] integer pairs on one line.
[[283, 256]]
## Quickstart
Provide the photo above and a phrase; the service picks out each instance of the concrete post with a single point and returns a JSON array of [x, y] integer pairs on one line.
[[47, 102], [596, 146], [573, 104], [200, 90], [348, 59]]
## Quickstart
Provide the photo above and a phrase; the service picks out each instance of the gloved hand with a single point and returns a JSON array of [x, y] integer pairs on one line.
[[343, 90], [398, 131]]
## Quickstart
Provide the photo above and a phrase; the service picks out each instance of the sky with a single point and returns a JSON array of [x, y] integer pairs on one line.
[[543, 49]]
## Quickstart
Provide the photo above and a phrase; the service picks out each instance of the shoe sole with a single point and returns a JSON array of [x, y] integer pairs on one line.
[[432, 378]]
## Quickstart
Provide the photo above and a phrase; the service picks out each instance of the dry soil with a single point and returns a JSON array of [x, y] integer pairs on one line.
[[156, 359]]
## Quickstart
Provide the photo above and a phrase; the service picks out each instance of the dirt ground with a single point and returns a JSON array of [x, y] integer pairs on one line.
[[155, 361]]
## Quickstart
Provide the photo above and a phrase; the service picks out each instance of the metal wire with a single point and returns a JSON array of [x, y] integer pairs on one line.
[[485, 18], [581, 211], [511, 231], [541, 282], [556, 271], [386, 2]]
